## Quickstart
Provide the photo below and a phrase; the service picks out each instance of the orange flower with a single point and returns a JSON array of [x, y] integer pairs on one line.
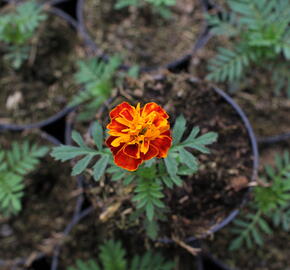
[[138, 134]]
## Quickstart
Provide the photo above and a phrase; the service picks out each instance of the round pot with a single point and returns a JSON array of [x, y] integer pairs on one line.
[[52, 83], [179, 39], [229, 169], [30, 235]]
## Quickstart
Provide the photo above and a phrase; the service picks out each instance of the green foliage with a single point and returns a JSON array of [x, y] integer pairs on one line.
[[271, 201], [158, 6], [17, 28], [15, 164], [112, 257], [151, 177], [180, 160], [277, 194], [260, 29], [66, 152], [149, 193], [150, 261], [97, 78]]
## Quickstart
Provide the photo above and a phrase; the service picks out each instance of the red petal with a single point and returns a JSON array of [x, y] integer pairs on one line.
[[152, 152], [152, 106], [127, 114], [126, 162], [113, 149], [132, 150], [116, 126], [167, 133], [163, 144], [124, 105]]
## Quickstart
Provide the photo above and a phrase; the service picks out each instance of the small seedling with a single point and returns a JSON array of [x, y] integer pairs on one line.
[[17, 162], [112, 257], [271, 204], [145, 155], [261, 37], [17, 29], [98, 79]]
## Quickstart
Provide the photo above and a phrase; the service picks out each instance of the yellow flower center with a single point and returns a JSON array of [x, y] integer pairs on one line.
[[140, 130]]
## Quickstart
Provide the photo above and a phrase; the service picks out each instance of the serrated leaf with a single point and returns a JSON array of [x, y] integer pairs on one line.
[[149, 210], [188, 159], [100, 166], [178, 129], [171, 165], [77, 138], [177, 180], [236, 244], [128, 180], [192, 135], [98, 136], [264, 226], [167, 181], [66, 152], [81, 165], [257, 237]]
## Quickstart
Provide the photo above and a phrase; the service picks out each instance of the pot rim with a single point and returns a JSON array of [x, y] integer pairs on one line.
[[255, 161], [203, 37], [67, 109], [75, 217]]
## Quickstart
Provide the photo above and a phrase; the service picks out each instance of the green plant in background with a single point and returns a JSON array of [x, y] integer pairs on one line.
[[161, 7], [271, 204], [98, 79], [15, 164], [112, 257], [16, 30], [151, 177], [261, 36]]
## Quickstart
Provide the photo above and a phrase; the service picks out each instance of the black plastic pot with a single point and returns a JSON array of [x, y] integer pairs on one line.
[[25, 262], [204, 36], [205, 261], [72, 22], [255, 165], [255, 160]]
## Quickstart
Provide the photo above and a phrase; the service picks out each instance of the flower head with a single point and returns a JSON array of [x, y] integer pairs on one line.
[[138, 134]]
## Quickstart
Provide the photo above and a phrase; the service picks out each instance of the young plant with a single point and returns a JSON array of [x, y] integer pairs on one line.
[[261, 36], [271, 202], [15, 164], [161, 7], [112, 257], [145, 155], [16, 30], [97, 78]]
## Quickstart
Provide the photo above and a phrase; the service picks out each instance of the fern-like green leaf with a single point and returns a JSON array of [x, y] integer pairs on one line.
[[112, 256], [230, 65], [149, 193], [11, 192], [150, 261], [23, 158], [82, 265]]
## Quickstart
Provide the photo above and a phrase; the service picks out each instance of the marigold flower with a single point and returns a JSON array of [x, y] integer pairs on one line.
[[138, 134]]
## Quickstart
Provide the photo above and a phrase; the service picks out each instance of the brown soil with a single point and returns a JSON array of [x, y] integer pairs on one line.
[[44, 84], [47, 206], [269, 114], [210, 195], [273, 255], [85, 239], [268, 111], [142, 37]]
